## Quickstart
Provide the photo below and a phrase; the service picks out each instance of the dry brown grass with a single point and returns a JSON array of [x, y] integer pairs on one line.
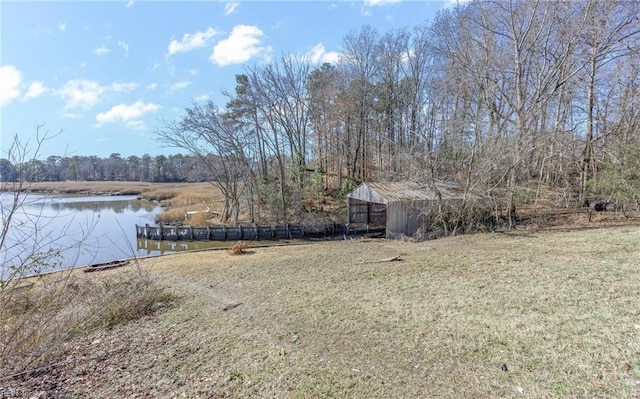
[[184, 198], [189, 198], [239, 248], [98, 187], [38, 314], [558, 309], [172, 216], [202, 219]]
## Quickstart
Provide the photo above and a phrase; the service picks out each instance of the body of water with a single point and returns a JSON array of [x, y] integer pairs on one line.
[[63, 231]]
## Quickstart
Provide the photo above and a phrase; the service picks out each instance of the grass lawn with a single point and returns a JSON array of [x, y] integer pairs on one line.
[[533, 315]]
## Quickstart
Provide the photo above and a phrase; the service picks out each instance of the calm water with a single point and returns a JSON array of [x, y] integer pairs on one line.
[[80, 230]]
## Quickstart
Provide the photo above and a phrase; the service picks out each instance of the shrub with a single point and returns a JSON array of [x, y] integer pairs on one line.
[[240, 247], [42, 312]]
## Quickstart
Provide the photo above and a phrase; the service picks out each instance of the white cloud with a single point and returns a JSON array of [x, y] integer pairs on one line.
[[368, 5], [86, 94], [81, 94], [129, 4], [70, 115], [127, 114], [135, 125], [191, 41], [242, 44], [102, 50], [62, 26], [125, 47], [9, 84], [202, 97], [230, 7], [451, 4], [373, 3], [194, 71], [179, 86], [36, 89], [84, 64], [126, 87], [151, 86], [319, 55]]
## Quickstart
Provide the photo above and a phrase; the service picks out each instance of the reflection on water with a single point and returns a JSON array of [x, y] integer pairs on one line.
[[72, 231], [117, 206], [83, 229], [154, 247], [80, 230]]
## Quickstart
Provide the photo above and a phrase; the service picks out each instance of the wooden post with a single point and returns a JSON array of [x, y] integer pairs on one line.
[[240, 227], [224, 233], [191, 233]]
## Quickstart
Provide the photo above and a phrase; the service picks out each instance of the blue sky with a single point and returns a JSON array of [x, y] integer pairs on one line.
[[104, 72]]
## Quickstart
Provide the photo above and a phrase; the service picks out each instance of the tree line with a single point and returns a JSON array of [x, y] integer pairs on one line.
[[502, 96], [159, 168]]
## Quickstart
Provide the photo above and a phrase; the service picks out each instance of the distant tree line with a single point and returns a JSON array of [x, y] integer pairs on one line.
[[160, 168], [505, 97]]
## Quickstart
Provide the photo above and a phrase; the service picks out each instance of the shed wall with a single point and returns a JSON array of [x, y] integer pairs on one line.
[[406, 217]]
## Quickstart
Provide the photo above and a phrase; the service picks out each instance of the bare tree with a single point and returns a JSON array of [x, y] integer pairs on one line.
[[205, 133], [611, 34]]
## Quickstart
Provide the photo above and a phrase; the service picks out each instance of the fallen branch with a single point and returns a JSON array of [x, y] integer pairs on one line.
[[105, 266], [396, 258], [231, 306]]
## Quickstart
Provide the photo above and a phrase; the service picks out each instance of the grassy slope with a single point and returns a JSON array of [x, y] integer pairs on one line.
[[559, 309]]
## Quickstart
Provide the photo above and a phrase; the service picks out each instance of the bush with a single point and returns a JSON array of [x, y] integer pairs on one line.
[[239, 248], [619, 178], [456, 218], [42, 312]]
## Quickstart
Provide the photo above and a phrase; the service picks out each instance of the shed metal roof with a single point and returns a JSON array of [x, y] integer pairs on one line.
[[388, 192]]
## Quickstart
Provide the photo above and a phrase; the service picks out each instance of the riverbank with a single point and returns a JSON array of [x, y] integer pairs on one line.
[[177, 199], [546, 314]]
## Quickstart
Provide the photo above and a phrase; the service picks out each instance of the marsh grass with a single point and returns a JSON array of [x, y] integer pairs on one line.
[[97, 187], [181, 199]]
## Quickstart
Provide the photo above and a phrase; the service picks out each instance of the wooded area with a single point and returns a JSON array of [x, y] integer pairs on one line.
[[505, 97], [160, 168]]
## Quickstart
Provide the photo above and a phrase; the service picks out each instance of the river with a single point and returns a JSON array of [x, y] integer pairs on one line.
[[65, 231]]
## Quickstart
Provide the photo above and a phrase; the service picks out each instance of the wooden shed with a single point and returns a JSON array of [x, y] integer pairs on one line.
[[399, 207]]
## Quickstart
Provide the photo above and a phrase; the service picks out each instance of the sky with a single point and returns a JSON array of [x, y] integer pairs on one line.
[[99, 76]]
